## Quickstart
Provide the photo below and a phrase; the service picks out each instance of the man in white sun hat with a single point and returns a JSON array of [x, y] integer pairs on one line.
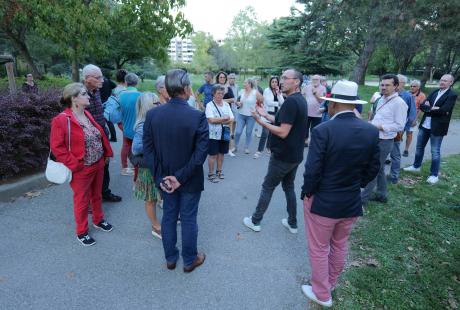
[[343, 157]]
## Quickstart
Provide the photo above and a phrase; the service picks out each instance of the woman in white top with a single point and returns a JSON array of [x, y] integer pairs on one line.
[[220, 116], [273, 99], [246, 103]]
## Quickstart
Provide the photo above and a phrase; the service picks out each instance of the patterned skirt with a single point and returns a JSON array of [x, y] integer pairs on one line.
[[144, 188]]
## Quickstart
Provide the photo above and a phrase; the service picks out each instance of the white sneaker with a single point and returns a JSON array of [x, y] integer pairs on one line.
[[412, 169], [286, 224], [247, 221], [308, 291], [246, 151], [231, 154], [432, 179], [233, 150], [127, 171], [256, 155]]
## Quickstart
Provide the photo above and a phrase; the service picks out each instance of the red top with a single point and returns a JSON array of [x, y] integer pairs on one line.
[[59, 140]]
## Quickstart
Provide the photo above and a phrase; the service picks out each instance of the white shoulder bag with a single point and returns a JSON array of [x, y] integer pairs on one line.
[[57, 172]]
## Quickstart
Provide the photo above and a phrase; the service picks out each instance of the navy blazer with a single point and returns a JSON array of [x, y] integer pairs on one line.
[[175, 142], [343, 157], [440, 119]]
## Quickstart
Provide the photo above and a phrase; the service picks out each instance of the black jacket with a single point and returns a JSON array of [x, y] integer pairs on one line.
[[343, 157], [440, 119]]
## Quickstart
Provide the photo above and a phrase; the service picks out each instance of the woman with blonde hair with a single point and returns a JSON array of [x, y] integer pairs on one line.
[[144, 188], [77, 141], [245, 104]]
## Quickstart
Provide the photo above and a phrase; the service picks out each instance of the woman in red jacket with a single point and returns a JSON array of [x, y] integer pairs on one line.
[[88, 151]]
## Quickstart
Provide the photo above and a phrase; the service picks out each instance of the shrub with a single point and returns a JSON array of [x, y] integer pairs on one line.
[[24, 131]]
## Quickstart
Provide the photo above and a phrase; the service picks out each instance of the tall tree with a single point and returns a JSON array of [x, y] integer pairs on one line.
[[17, 20], [202, 58], [141, 28], [77, 27]]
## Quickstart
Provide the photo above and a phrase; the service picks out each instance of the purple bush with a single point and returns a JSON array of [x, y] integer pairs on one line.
[[25, 121]]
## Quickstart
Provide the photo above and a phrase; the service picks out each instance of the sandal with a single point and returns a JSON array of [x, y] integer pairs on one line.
[[156, 233], [220, 175], [213, 178]]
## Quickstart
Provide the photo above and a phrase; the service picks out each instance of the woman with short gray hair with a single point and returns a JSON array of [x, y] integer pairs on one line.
[[220, 116]]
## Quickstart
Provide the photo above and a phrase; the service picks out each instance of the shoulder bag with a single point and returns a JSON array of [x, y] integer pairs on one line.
[[57, 172], [225, 129]]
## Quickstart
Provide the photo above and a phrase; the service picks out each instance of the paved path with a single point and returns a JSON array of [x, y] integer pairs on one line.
[[43, 267]]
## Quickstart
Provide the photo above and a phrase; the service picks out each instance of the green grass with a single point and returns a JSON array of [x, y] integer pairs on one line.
[[47, 82], [415, 239]]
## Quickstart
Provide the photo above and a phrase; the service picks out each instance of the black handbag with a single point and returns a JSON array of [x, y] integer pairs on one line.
[[137, 160], [225, 129]]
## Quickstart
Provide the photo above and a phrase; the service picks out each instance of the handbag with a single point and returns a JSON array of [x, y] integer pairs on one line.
[[225, 129], [57, 172]]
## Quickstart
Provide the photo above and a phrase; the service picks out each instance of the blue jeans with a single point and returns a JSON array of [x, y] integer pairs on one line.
[[435, 141], [395, 156], [185, 204], [244, 121]]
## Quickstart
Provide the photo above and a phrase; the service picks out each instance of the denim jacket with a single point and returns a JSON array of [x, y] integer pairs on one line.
[[137, 147]]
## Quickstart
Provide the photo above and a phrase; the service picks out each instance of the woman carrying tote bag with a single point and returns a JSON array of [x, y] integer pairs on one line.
[[85, 156]]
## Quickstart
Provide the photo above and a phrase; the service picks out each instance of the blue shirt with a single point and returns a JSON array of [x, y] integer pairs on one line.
[[128, 100], [409, 99], [206, 89]]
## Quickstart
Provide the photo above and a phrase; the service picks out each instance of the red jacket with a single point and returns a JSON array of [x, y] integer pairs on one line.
[[59, 140]]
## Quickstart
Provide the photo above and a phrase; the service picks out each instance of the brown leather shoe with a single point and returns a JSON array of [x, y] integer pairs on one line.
[[199, 260], [171, 266]]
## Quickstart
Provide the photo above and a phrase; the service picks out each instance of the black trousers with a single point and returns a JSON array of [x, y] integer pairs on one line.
[[312, 122]]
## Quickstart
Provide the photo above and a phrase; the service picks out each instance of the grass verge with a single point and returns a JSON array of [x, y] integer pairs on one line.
[[406, 254]]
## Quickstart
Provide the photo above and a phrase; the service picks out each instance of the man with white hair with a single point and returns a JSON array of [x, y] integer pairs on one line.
[[128, 116], [92, 79], [419, 98], [434, 126], [395, 154]]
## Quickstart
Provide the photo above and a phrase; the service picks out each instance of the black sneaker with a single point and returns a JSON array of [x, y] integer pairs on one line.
[[405, 154], [378, 198], [86, 240], [111, 198], [103, 225]]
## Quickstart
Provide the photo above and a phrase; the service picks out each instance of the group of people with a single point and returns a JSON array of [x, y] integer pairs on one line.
[[168, 139]]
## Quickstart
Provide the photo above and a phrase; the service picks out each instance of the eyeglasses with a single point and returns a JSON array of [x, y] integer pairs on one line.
[[84, 93], [97, 77], [288, 78]]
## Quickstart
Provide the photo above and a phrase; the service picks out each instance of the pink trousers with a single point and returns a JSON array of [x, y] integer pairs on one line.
[[327, 248], [125, 151]]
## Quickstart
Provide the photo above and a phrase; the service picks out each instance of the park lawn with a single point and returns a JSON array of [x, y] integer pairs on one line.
[[405, 254]]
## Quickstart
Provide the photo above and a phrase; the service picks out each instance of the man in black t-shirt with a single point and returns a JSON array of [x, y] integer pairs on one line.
[[288, 133]]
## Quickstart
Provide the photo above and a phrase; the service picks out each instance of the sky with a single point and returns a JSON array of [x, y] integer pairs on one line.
[[215, 16]]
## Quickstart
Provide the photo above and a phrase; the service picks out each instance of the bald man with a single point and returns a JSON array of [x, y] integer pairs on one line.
[[434, 125]]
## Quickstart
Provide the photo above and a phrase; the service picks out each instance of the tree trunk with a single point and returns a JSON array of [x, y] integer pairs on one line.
[[359, 72], [21, 46], [75, 72], [429, 64]]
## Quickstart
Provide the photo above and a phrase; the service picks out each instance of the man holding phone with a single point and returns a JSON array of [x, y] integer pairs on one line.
[[313, 93], [175, 141]]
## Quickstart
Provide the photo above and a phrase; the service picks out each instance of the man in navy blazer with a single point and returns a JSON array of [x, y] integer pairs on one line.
[[343, 158], [175, 148], [434, 126]]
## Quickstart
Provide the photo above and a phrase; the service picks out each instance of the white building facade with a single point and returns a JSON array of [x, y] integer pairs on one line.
[[181, 50]]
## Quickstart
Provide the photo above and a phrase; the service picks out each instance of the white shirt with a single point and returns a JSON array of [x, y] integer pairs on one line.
[[248, 102], [391, 114], [215, 130], [427, 123], [269, 100]]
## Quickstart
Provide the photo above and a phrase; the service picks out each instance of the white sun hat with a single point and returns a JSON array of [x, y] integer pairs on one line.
[[345, 92]]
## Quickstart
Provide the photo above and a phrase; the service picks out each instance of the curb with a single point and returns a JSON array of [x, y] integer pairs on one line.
[[23, 185]]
